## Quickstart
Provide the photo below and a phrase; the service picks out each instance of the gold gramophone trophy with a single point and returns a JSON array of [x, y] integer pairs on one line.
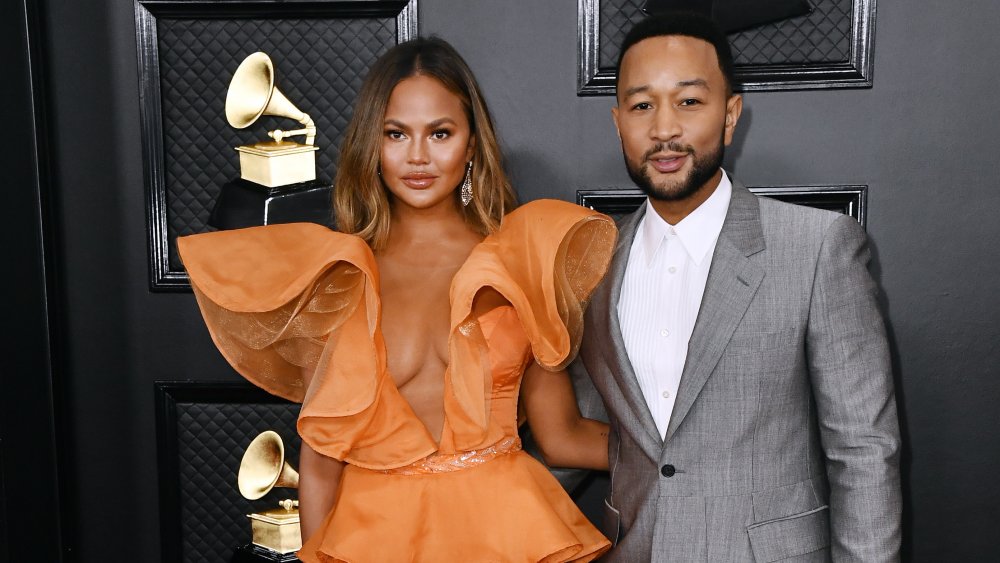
[[277, 182], [276, 534], [278, 162]]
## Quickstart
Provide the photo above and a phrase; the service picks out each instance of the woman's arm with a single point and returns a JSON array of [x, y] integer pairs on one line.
[[564, 438], [319, 477]]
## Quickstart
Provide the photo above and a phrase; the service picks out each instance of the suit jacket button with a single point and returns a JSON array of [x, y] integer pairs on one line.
[[668, 470]]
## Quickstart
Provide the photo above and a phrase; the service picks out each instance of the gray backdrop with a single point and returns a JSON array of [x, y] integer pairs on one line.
[[922, 139]]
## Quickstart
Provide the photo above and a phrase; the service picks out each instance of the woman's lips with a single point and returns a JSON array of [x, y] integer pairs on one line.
[[419, 181], [667, 164]]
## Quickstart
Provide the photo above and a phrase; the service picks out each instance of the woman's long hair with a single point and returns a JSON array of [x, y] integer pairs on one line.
[[360, 200]]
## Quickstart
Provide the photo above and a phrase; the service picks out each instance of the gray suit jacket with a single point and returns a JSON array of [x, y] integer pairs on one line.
[[783, 443]]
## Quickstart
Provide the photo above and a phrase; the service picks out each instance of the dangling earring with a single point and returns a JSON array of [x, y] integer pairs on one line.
[[467, 185]]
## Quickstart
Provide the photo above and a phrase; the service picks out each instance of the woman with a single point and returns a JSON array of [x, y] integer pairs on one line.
[[409, 339]]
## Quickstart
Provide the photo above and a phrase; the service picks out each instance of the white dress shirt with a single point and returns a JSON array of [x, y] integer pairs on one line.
[[661, 295]]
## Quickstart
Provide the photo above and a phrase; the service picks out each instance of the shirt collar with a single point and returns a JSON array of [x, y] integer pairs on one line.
[[697, 232]]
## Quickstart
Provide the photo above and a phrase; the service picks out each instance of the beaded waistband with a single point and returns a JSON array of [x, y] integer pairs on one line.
[[444, 463]]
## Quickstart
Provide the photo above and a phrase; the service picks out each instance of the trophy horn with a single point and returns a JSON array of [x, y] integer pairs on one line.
[[264, 467], [252, 93]]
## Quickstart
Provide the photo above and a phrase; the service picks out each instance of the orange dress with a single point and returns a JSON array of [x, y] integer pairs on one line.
[[295, 309]]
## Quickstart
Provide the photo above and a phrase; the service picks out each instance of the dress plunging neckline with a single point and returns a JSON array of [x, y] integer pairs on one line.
[[447, 370], [447, 387]]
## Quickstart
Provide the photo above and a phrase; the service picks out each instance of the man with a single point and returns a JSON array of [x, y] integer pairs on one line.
[[736, 342]]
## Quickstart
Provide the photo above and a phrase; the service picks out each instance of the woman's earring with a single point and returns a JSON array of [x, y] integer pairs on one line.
[[467, 185]]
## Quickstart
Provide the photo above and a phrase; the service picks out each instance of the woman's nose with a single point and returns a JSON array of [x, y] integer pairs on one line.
[[418, 152]]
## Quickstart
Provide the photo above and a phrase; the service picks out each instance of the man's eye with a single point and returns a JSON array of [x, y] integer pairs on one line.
[[690, 102], [642, 106]]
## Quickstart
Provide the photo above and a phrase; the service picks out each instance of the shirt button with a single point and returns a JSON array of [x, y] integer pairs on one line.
[[664, 333], [672, 269], [666, 394]]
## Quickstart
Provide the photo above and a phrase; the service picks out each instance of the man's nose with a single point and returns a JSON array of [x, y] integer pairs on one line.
[[665, 125]]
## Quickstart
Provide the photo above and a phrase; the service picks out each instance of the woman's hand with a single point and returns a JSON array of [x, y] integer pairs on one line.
[[564, 438], [319, 477]]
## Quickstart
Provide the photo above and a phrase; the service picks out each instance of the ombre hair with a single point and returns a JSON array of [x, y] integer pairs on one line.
[[360, 200]]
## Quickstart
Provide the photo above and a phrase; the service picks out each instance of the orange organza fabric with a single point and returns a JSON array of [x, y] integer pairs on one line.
[[295, 309]]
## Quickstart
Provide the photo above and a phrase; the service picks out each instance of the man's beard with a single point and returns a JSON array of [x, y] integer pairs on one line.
[[704, 167]]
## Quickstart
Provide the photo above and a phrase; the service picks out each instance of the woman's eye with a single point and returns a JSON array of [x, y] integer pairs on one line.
[[440, 135], [394, 134]]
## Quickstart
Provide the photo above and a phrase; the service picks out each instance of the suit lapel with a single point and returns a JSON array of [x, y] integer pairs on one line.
[[605, 304], [732, 282]]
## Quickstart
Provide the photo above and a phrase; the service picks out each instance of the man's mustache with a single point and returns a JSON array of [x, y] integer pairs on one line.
[[670, 146]]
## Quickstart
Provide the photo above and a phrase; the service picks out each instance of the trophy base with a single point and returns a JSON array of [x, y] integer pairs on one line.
[[247, 204], [277, 164], [251, 553]]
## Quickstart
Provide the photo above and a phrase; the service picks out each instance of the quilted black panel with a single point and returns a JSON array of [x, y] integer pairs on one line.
[[319, 65], [211, 440], [823, 36]]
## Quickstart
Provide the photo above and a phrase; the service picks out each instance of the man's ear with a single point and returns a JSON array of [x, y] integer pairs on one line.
[[614, 117], [734, 107]]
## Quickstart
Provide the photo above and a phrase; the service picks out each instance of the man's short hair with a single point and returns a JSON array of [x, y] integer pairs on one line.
[[688, 24]]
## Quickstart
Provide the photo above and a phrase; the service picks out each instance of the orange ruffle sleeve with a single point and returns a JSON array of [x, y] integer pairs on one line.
[[294, 308], [546, 259]]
